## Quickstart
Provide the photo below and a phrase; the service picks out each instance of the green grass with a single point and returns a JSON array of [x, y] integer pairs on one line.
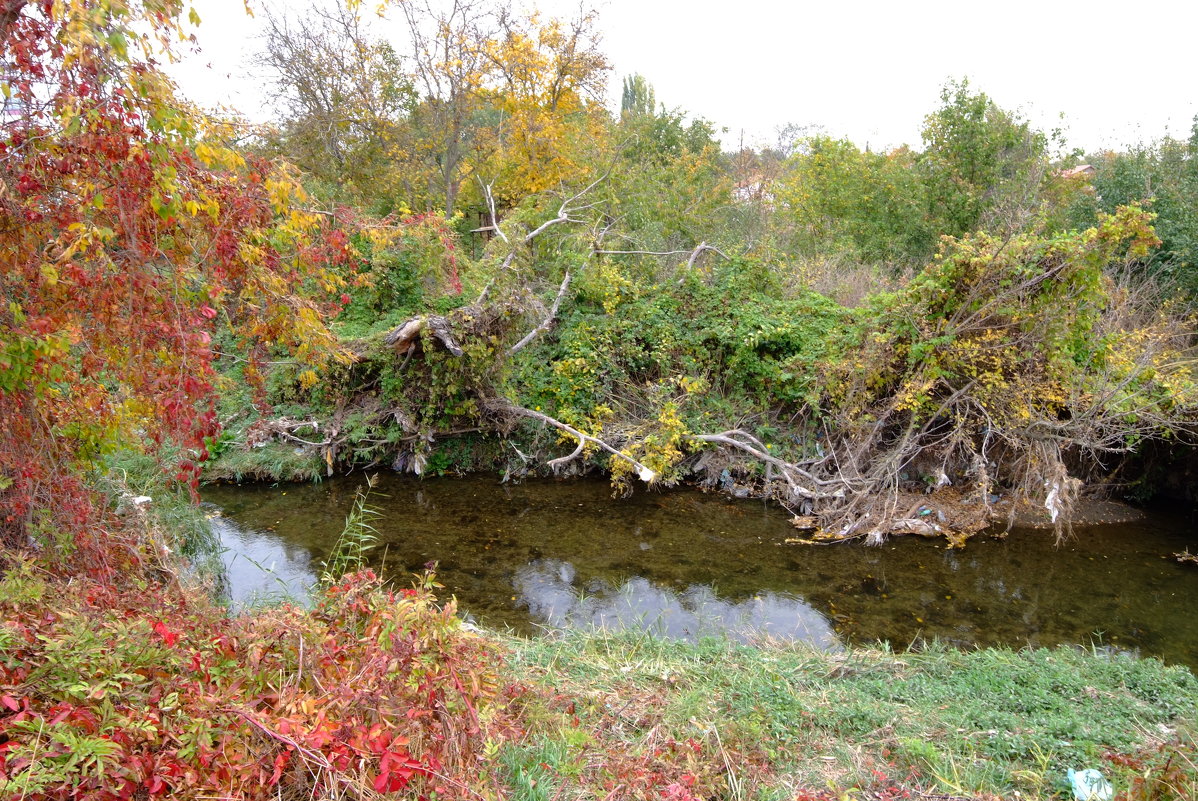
[[172, 511], [274, 461], [538, 770], [966, 723]]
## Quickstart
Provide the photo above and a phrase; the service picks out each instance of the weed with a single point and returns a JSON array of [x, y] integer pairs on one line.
[[1167, 771], [148, 690], [356, 538], [968, 724]]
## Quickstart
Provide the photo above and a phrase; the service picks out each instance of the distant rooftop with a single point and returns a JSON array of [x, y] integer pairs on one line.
[[1074, 172]]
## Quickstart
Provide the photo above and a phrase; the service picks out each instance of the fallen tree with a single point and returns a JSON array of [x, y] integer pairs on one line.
[[1016, 369]]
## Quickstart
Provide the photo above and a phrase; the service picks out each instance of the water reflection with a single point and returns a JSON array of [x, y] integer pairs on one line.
[[260, 567], [557, 553], [548, 589]]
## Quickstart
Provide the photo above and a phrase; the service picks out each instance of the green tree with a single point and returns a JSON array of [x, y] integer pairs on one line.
[[981, 165], [840, 199], [668, 183], [447, 51], [638, 99], [1164, 176]]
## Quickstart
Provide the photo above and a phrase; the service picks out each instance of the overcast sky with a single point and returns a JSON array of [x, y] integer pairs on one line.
[[1118, 72]]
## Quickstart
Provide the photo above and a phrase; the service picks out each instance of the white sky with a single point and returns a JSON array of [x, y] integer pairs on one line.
[[1119, 72]]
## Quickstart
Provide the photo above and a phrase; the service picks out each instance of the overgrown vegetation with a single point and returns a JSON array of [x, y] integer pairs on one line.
[[1164, 176], [449, 254], [665, 308], [1009, 327], [1015, 366], [143, 688], [147, 689]]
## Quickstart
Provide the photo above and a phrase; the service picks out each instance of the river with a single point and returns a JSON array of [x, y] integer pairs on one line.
[[686, 564]]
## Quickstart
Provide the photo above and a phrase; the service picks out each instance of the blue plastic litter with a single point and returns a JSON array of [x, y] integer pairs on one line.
[[1089, 785]]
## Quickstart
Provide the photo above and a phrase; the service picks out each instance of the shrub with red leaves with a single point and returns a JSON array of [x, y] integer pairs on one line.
[[115, 693]]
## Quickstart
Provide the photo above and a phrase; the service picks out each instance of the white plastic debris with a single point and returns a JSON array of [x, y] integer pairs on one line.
[[130, 504], [1089, 785], [1053, 501]]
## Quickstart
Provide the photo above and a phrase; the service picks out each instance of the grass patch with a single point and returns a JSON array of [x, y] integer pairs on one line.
[[274, 461], [967, 723]]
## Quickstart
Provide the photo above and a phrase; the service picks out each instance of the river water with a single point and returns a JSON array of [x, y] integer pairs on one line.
[[681, 563]]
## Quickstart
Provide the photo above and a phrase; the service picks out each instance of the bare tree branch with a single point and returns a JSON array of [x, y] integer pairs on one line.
[[504, 406], [547, 322], [494, 226], [790, 471], [700, 250], [640, 252], [564, 211]]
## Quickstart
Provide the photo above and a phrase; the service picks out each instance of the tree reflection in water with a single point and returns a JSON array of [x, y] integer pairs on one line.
[[547, 588]]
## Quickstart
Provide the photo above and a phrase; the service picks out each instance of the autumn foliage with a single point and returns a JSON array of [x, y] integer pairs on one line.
[[129, 232], [373, 691]]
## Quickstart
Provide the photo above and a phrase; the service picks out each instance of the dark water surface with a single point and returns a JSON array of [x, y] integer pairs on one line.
[[687, 564]]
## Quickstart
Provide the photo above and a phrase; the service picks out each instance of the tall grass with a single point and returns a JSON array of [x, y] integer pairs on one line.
[[171, 513], [356, 538]]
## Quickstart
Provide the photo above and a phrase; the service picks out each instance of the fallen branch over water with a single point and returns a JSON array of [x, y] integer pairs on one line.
[[501, 406], [792, 472]]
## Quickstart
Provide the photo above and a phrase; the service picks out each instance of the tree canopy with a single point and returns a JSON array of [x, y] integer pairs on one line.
[[131, 232]]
